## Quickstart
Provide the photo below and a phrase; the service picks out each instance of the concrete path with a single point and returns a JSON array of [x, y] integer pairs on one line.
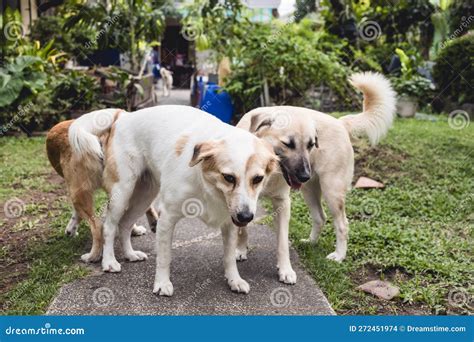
[[177, 97], [197, 274]]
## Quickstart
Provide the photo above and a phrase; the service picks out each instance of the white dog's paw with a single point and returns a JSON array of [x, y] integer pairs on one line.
[[287, 276], [311, 241], [136, 256], [336, 257], [241, 254], [90, 257], [164, 288], [239, 285], [112, 266], [138, 230]]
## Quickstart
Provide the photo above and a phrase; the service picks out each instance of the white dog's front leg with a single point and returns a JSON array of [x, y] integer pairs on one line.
[[282, 207], [242, 244], [229, 237], [164, 239]]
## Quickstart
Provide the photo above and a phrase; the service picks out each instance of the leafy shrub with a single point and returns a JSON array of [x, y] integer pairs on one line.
[[25, 93], [454, 70], [76, 91], [417, 87], [23, 77], [459, 14], [51, 27], [289, 59], [35, 94], [410, 83]]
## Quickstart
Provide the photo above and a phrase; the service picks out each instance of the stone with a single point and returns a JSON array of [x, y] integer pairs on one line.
[[381, 289], [368, 183]]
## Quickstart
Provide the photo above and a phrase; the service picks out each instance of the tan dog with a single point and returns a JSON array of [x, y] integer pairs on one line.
[[83, 176], [316, 155]]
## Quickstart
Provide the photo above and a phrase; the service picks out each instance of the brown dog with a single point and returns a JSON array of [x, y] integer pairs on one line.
[[83, 176]]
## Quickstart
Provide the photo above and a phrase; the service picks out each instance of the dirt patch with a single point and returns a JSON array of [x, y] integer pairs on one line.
[[16, 234], [383, 307], [381, 163]]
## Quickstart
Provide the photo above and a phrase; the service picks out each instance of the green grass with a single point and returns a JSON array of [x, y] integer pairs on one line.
[[52, 263], [23, 165], [420, 233], [36, 240]]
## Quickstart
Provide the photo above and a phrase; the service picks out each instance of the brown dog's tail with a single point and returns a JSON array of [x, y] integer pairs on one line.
[[379, 107], [84, 133]]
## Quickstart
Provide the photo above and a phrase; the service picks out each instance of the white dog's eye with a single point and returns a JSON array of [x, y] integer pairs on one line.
[[257, 179], [229, 178]]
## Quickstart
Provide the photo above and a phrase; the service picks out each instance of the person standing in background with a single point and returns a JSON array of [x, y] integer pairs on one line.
[[155, 60]]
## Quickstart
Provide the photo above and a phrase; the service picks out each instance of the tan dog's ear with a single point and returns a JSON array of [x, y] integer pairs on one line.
[[203, 151], [259, 121]]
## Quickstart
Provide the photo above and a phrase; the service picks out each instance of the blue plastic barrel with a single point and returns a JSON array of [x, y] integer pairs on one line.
[[217, 103]]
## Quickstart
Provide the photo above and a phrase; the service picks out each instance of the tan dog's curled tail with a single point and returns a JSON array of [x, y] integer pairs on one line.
[[85, 131], [379, 107]]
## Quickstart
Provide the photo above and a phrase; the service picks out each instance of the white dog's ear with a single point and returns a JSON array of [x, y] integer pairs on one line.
[[203, 151], [258, 121]]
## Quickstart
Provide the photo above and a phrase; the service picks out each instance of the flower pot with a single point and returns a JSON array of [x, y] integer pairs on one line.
[[407, 107]]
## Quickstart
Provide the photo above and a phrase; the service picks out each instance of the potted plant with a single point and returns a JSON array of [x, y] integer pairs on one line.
[[410, 91], [412, 88]]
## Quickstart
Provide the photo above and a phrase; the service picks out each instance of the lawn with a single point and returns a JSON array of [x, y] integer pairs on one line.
[[417, 232], [36, 258]]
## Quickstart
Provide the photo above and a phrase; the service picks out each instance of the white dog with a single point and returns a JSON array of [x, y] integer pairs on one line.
[[316, 155], [188, 158], [167, 77]]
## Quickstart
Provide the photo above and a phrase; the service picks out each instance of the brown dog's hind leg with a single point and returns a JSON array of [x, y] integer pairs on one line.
[[152, 217], [83, 202]]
